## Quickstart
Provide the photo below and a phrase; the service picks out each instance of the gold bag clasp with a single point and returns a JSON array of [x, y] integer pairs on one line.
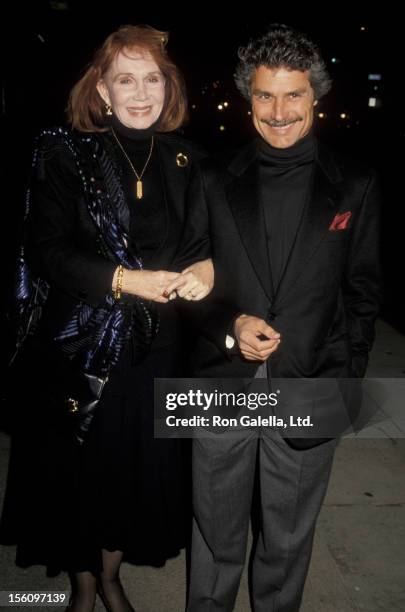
[[72, 404]]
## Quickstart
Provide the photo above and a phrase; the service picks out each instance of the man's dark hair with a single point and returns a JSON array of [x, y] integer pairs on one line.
[[282, 47]]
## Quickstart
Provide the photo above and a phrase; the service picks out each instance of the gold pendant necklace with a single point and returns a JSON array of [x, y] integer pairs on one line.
[[139, 186]]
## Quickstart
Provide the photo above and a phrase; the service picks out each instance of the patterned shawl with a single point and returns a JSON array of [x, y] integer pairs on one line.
[[94, 337]]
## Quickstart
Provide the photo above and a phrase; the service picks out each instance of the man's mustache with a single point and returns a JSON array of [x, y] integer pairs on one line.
[[281, 122]]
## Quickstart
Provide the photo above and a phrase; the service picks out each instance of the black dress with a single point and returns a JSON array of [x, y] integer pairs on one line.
[[122, 489]]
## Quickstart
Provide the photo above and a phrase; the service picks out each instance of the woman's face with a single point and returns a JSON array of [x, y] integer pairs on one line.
[[134, 87]]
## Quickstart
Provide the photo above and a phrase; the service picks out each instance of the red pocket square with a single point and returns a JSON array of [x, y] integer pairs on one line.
[[340, 221]]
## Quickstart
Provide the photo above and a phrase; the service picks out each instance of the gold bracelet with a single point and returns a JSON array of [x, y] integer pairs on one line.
[[118, 286]]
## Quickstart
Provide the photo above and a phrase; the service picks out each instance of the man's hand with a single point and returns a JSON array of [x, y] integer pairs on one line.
[[248, 332], [195, 282]]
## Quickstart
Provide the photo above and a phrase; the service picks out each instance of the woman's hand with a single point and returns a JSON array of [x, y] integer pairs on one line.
[[147, 284], [195, 282]]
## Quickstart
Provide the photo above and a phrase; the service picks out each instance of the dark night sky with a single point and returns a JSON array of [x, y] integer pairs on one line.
[[56, 45]]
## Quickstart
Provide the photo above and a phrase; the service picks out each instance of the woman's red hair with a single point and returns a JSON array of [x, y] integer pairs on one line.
[[86, 108]]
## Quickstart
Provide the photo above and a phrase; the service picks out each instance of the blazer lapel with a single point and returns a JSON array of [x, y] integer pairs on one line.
[[244, 202], [322, 198]]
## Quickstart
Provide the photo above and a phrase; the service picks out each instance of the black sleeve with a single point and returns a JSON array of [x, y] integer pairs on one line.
[[195, 244], [213, 316], [362, 283], [53, 224]]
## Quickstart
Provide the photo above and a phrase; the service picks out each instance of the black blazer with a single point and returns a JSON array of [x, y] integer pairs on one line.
[[329, 295], [62, 241]]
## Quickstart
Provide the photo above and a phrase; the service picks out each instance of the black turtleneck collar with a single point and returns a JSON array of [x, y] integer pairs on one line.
[[302, 152], [134, 138]]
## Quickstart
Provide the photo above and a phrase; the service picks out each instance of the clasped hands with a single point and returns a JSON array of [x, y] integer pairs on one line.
[[256, 339], [193, 283]]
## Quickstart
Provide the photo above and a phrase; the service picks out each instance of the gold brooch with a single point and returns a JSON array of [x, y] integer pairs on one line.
[[181, 160]]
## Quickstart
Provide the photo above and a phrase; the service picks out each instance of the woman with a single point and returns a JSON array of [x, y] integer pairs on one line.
[[105, 221]]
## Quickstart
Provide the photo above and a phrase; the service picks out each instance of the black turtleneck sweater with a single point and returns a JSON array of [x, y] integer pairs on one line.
[[147, 215], [285, 176]]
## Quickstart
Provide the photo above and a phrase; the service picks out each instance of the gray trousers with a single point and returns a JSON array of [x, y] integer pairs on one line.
[[293, 484]]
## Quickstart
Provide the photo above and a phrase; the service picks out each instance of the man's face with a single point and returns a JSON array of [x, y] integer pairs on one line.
[[282, 105]]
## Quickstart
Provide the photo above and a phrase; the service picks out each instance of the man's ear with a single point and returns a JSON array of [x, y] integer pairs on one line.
[[103, 91]]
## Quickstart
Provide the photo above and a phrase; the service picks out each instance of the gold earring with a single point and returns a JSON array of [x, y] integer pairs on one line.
[[108, 110]]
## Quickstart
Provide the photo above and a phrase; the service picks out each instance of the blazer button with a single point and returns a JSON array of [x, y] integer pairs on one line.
[[270, 317]]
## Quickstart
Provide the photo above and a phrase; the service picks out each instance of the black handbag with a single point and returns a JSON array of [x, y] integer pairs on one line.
[[50, 389]]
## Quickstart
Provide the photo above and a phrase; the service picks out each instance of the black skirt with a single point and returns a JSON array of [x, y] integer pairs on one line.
[[121, 490]]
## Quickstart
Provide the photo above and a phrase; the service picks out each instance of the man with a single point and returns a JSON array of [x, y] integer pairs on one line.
[[293, 232]]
